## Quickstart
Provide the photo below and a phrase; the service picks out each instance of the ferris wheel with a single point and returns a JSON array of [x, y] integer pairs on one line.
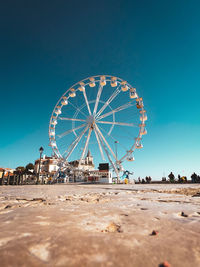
[[102, 113]]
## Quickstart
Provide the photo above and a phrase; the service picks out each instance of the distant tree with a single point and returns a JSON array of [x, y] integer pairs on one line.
[[19, 173], [171, 177], [29, 168], [20, 169]]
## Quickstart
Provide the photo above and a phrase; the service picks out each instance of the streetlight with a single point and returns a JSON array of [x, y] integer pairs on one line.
[[41, 151], [116, 142]]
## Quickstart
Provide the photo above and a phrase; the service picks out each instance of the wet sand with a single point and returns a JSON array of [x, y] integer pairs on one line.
[[100, 225]]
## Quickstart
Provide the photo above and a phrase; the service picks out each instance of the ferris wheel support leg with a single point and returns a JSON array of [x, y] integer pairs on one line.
[[99, 144], [56, 174], [111, 162], [97, 128], [75, 143], [86, 145]]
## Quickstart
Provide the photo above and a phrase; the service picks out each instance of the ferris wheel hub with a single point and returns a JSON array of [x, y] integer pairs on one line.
[[90, 121]]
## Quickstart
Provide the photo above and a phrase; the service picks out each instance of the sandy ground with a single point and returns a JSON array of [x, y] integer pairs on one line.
[[100, 225]]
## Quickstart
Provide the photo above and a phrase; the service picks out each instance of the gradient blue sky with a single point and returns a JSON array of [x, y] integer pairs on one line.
[[46, 46]]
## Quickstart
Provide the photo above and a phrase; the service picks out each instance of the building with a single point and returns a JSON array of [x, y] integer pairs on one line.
[[86, 164], [100, 176], [81, 172], [6, 172], [48, 165]]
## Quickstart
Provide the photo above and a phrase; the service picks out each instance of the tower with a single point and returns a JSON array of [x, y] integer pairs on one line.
[[89, 159]]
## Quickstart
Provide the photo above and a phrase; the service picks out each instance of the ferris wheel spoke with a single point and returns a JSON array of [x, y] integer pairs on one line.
[[111, 128], [114, 138], [97, 99], [70, 119], [125, 106], [100, 133], [109, 135], [110, 99], [74, 144], [77, 108], [99, 144], [86, 101], [118, 123], [70, 131], [86, 145]]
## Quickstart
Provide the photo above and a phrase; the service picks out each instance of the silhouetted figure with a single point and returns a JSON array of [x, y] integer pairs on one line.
[[143, 181], [148, 179], [194, 178], [171, 177], [179, 178], [139, 180]]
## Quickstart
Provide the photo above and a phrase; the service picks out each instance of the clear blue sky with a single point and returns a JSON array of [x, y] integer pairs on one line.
[[46, 46]]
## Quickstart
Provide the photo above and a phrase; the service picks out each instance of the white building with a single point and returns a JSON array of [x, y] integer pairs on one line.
[[82, 172], [100, 176], [86, 164], [48, 165]]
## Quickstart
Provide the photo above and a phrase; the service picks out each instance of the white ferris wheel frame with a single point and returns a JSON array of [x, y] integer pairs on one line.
[[95, 117]]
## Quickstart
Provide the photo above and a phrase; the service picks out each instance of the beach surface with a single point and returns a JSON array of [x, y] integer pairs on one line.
[[100, 225]]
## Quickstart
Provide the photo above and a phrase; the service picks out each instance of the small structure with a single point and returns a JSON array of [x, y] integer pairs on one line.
[[6, 174], [48, 167], [99, 176], [86, 164], [102, 175]]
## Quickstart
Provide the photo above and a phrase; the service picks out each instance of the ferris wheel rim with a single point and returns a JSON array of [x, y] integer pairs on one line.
[[98, 79]]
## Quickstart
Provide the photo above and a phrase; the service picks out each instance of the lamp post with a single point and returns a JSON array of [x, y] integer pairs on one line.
[[41, 151], [116, 142]]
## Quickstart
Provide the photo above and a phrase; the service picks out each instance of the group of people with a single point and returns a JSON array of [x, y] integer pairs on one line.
[[146, 180], [195, 178], [181, 179]]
